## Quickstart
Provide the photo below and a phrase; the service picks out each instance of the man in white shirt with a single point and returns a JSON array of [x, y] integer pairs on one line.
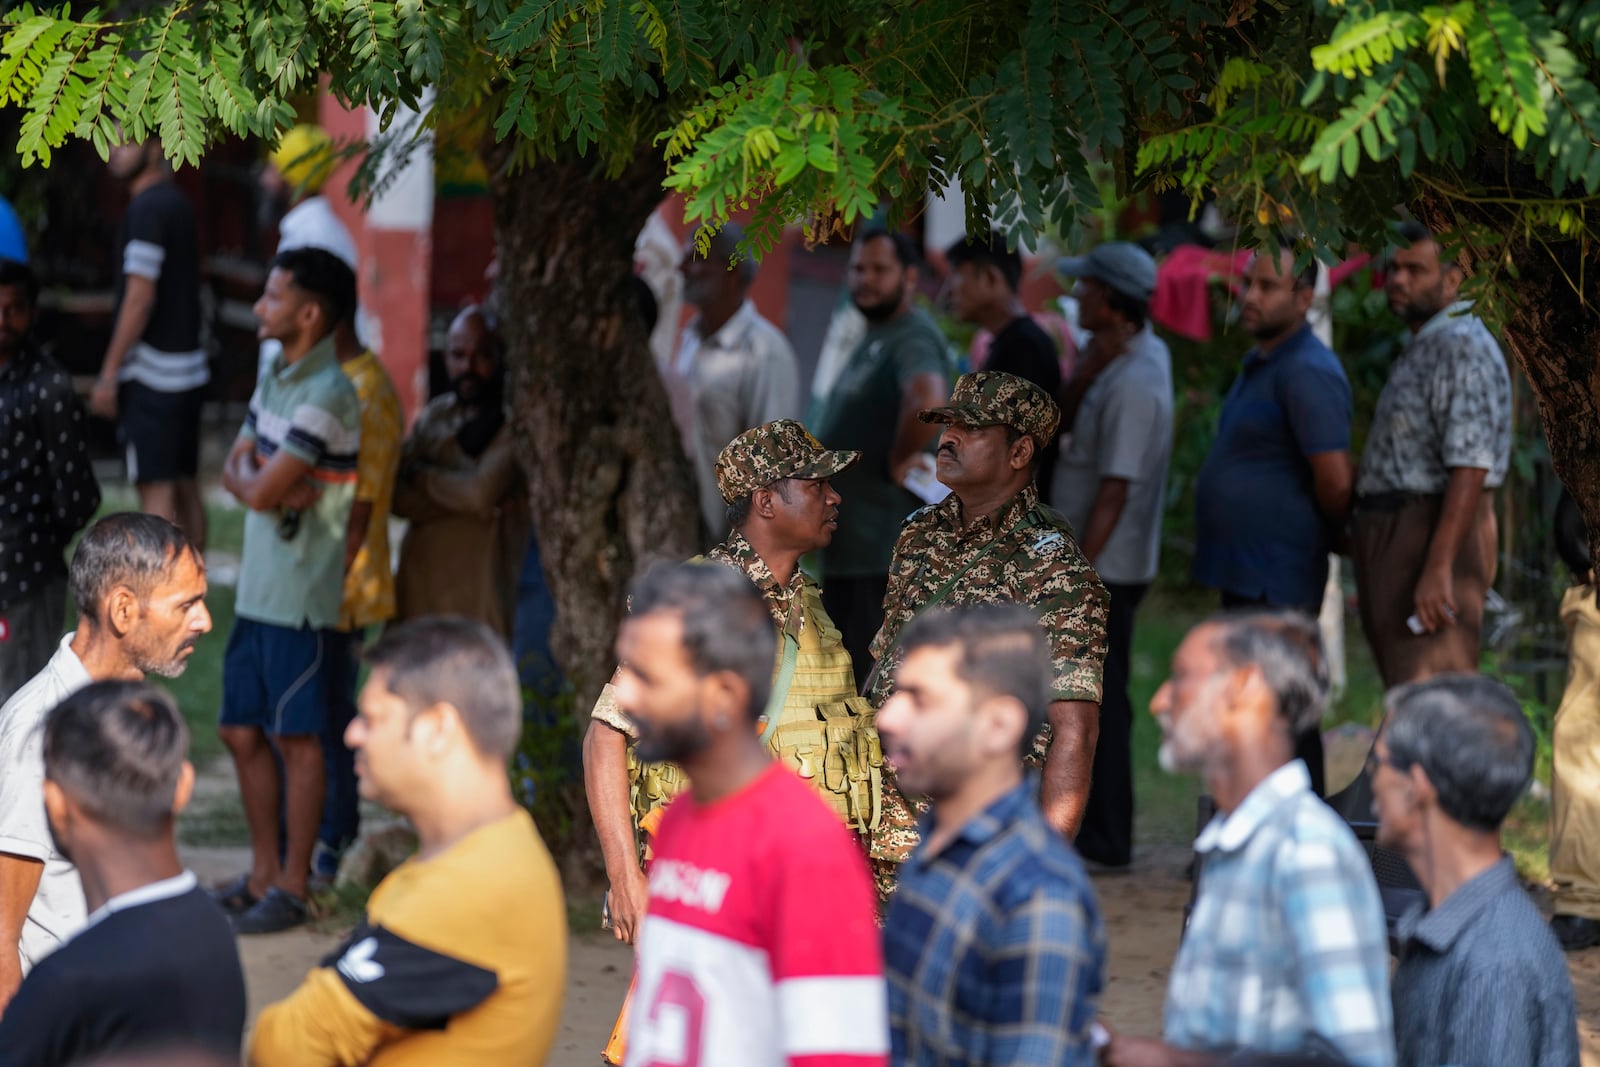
[[294, 175], [733, 369], [140, 590]]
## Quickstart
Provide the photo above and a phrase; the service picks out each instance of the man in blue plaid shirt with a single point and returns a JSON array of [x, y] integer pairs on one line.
[[1286, 951], [993, 945]]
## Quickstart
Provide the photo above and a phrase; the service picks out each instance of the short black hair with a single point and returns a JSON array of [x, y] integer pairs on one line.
[[16, 273], [905, 250], [445, 659], [644, 302], [1003, 653], [1411, 232], [988, 251], [118, 749], [1469, 735], [1136, 311], [726, 624], [1286, 647], [724, 245], [1305, 277], [738, 512], [129, 549], [329, 280]]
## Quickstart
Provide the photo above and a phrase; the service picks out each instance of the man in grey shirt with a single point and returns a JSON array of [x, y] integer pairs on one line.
[[733, 370], [1423, 536], [1481, 978], [1111, 484]]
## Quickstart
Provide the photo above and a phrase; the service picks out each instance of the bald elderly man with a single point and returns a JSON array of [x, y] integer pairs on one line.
[[461, 489]]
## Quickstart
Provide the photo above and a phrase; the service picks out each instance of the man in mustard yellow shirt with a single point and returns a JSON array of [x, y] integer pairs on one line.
[[368, 587], [461, 957]]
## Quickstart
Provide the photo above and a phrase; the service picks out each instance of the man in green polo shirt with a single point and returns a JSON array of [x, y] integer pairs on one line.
[[294, 467]]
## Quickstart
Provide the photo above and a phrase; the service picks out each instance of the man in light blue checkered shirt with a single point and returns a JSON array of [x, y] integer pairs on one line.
[[1286, 950]]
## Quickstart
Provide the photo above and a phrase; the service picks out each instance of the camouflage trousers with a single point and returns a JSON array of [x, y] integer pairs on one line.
[[897, 834]]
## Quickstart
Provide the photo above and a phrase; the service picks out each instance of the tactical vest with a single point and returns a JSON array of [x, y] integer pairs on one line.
[[824, 732]]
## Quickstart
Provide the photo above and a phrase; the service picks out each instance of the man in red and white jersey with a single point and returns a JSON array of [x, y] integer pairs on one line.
[[760, 946]]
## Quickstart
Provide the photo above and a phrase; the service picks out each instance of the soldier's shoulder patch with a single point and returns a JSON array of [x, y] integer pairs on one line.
[[1047, 542], [921, 514]]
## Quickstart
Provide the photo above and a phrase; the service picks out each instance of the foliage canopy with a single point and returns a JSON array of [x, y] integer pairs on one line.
[[816, 110]]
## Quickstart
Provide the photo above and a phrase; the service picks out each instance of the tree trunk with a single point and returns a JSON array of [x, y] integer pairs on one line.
[[610, 488]]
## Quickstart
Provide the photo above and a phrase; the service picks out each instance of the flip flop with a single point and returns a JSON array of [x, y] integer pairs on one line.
[[235, 898]]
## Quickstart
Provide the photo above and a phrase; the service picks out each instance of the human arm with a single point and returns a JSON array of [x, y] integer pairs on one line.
[[477, 490], [1073, 608], [1333, 479], [1033, 1023], [1150, 1052], [826, 950], [1109, 500], [1315, 398], [265, 487], [1068, 763], [921, 391], [19, 882], [378, 458], [1435, 597], [133, 315], [605, 782], [380, 987]]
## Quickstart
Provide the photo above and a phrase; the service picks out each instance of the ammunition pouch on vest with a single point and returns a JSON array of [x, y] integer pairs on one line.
[[839, 754], [833, 744]]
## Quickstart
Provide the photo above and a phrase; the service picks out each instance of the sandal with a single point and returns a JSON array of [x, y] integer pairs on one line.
[[235, 898], [274, 912]]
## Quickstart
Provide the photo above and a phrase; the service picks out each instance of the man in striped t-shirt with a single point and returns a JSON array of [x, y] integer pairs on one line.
[[154, 374], [294, 467]]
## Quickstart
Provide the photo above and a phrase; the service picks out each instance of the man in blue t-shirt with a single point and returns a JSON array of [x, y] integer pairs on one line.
[[1275, 488]]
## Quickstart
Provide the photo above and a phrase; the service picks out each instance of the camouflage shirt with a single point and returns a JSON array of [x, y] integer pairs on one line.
[[784, 601], [1024, 553]]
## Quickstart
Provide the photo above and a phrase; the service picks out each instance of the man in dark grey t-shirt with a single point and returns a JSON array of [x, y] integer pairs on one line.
[[1481, 979]]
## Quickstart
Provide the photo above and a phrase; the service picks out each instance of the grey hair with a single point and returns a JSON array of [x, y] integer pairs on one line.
[[126, 549], [726, 624], [738, 512], [1469, 735], [1286, 647]]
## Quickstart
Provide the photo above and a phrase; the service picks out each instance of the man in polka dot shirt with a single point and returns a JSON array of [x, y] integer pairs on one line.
[[47, 487]]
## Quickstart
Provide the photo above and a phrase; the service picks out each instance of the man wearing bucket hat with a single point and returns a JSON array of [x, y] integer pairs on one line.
[[292, 178], [989, 541], [1111, 484], [780, 505]]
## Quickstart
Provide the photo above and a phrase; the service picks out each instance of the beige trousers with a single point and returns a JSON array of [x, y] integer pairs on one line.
[[1575, 794]]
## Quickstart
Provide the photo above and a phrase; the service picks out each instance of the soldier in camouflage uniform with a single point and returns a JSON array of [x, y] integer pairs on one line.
[[775, 480], [992, 540]]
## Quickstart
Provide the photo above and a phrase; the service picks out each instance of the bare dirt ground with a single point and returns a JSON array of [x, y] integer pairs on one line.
[[1143, 912]]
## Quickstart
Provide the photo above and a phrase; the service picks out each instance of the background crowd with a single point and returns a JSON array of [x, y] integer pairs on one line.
[[919, 595]]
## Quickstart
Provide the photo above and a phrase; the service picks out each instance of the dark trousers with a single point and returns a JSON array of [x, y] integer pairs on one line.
[[341, 804], [1107, 833], [1308, 746], [856, 606]]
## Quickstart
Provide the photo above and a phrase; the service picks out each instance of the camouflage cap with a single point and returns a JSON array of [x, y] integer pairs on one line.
[[994, 398], [772, 452]]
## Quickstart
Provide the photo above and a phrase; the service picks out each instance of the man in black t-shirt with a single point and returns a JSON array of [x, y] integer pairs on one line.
[[982, 290], [157, 962], [155, 370]]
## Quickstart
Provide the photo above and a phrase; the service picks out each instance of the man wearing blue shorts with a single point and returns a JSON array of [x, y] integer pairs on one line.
[[294, 467]]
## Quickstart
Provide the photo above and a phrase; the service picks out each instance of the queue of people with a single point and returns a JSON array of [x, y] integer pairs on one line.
[[846, 820]]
